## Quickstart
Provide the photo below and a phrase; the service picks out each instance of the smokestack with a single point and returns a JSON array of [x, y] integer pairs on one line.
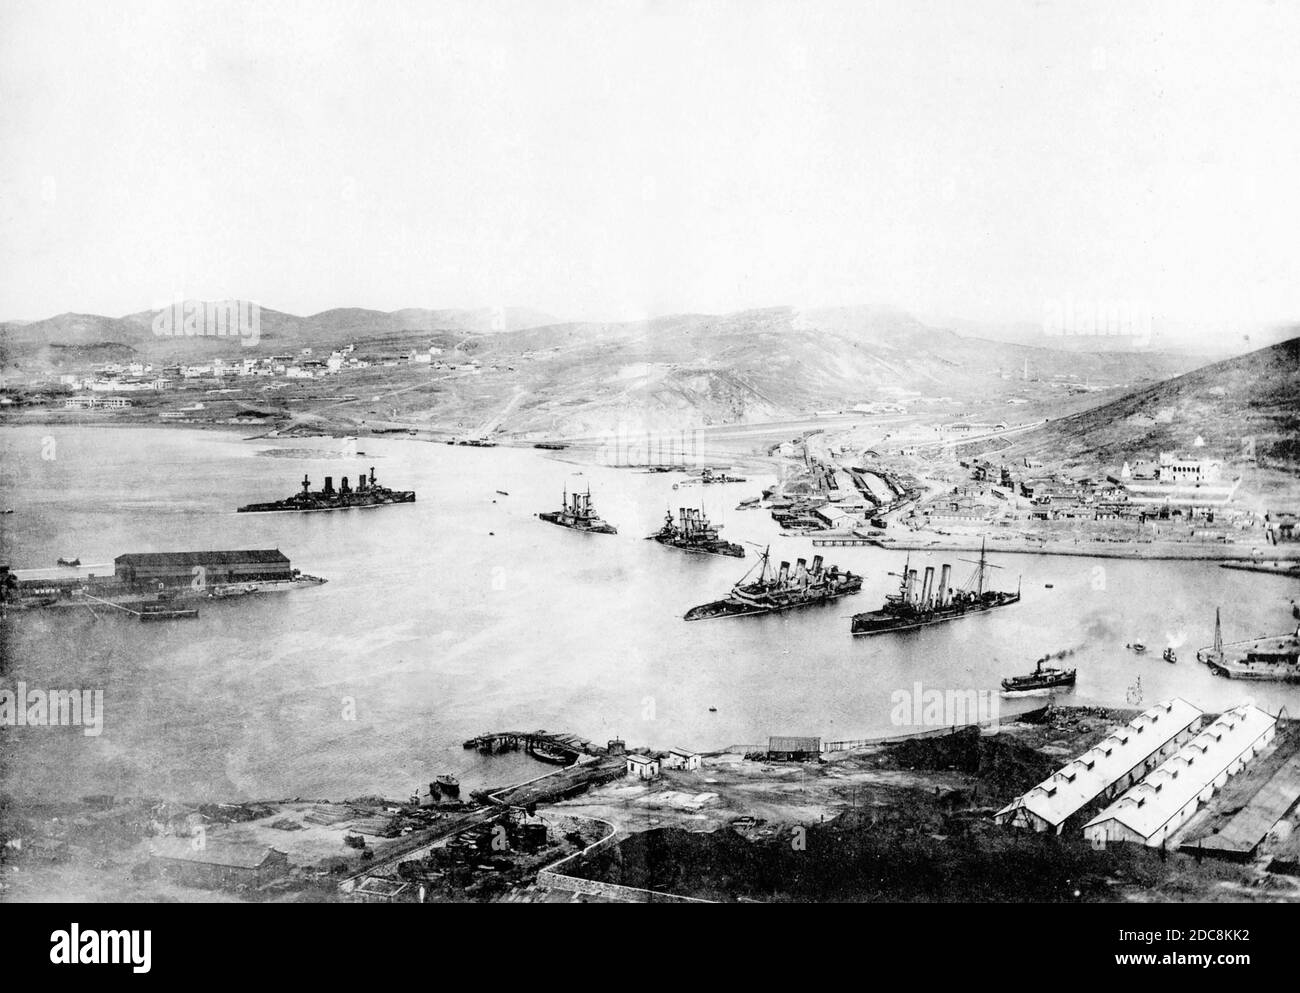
[[911, 586], [943, 584], [817, 564], [361, 483], [927, 587], [343, 485], [329, 484], [784, 574]]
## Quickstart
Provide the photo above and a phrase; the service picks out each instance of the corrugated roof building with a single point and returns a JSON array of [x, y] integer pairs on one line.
[[206, 568], [1115, 763], [786, 747], [216, 863], [1165, 800]]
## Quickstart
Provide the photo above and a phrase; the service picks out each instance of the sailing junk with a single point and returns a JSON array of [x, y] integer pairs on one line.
[[578, 515], [695, 533], [780, 590], [920, 604], [367, 494]]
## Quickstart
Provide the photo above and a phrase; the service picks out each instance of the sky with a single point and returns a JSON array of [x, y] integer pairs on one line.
[[605, 160]]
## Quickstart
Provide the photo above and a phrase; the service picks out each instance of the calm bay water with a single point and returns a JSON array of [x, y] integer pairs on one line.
[[463, 613]]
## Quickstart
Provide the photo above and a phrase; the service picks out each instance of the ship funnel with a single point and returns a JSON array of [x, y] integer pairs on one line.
[[817, 564], [361, 483], [927, 587], [329, 485], [944, 580], [911, 586], [343, 485], [784, 574]]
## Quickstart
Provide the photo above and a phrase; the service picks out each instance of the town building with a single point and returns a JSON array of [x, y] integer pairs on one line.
[[1118, 761], [642, 766], [1153, 810], [217, 864], [793, 749], [680, 758]]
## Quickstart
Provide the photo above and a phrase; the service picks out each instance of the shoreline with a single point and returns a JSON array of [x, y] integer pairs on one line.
[[1140, 551]]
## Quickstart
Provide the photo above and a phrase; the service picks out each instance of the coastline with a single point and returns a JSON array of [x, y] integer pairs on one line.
[[1146, 550]]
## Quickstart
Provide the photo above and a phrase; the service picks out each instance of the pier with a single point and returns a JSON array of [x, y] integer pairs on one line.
[[557, 747]]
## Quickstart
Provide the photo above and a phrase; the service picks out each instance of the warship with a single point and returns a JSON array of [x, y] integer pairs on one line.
[[576, 514], [694, 533], [773, 591], [921, 604], [367, 494], [1276, 657]]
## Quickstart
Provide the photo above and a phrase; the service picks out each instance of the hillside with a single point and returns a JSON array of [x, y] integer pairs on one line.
[[758, 365], [62, 341], [1254, 396]]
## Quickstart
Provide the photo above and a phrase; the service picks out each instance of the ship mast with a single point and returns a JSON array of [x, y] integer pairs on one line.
[[1218, 636]]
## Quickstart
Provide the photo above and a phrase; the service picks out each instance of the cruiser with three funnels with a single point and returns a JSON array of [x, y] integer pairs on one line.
[[367, 494], [783, 590], [918, 605]]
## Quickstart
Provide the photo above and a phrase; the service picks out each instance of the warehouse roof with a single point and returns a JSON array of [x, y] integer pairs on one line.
[[1077, 783], [258, 555], [234, 854], [1148, 806]]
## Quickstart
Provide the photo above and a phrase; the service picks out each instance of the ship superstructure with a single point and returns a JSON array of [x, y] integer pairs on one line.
[[693, 532], [781, 589], [578, 515], [919, 603], [368, 493]]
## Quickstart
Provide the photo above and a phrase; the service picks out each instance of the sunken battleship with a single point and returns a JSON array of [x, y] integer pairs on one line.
[[1276, 657], [693, 532], [784, 589], [577, 514], [368, 493], [920, 604]]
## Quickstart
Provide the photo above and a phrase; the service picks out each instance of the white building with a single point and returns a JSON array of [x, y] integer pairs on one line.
[[643, 766], [1164, 801], [1117, 762], [680, 758]]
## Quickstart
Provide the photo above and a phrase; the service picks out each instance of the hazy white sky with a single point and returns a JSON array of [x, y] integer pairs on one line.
[[604, 159]]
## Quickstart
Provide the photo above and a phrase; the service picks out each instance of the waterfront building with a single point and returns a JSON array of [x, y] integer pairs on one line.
[[1118, 761], [1153, 810]]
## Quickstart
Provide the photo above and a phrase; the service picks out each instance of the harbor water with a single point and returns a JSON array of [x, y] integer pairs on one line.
[[463, 613]]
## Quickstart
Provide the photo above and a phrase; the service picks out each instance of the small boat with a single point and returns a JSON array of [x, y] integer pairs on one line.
[[503, 492], [1040, 679], [70, 562], [1048, 586], [713, 710], [1169, 656], [8, 510], [1137, 646]]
